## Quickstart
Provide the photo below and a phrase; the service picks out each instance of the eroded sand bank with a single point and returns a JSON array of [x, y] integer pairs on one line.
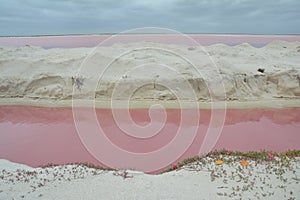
[[144, 71]]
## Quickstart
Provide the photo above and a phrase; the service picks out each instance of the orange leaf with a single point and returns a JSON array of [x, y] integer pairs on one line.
[[244, 163], [219, 162]]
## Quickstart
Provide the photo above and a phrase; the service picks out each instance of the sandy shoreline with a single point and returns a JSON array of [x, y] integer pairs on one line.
[[197, 180], [271, 103]]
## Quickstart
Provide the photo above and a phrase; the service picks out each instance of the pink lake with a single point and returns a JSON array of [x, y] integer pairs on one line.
[[38, 135], [94, 40]]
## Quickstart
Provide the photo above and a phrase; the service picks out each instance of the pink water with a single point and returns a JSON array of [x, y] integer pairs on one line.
[[94, 40], [37, 136]]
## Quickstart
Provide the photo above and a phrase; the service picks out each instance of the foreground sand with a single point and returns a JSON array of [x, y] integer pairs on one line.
[[196, 180], [32, 75]]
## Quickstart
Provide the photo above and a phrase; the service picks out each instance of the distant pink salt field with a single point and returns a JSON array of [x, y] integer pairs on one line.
[[38, 135], [94, 40]]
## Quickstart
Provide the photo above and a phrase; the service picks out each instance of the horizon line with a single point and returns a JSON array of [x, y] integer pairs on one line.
[[191, 33]]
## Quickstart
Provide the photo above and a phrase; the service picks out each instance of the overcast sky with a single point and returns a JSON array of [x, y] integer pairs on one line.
[[52, 17]]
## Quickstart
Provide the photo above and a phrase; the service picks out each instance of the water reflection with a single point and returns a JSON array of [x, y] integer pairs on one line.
[[37, 135]]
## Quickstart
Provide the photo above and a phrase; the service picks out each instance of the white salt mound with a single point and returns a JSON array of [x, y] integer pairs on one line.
[[247, 73]]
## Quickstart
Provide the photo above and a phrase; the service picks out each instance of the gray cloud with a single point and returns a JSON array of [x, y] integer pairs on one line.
[[48, 17]]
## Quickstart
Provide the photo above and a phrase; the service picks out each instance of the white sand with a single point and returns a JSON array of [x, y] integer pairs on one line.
[[32, 75], [195, 181]]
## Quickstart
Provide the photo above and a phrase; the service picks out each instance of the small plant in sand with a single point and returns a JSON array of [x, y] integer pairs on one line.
[[78, 82], [122, 173]]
